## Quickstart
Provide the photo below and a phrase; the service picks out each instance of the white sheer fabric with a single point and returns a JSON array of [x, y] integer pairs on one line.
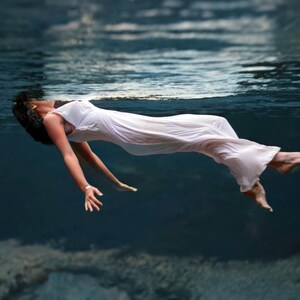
[[143, 135]]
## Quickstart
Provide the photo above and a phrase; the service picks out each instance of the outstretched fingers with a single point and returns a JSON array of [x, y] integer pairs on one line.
[[130, 188], [125, 187], [98, 192], [89, 206], [91, 202]]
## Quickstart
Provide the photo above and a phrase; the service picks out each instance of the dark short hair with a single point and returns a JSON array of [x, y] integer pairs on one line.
[[29, 119]]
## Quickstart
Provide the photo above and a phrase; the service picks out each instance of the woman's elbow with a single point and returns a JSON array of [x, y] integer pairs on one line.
[[69, 158]]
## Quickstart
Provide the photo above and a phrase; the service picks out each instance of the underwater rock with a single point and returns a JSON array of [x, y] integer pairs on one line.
[[68, 286], [46, 273]]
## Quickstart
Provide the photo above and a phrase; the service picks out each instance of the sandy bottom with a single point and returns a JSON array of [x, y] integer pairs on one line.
[[42, 272]]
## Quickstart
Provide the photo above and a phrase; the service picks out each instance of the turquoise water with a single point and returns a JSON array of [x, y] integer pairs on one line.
[[238, 59]]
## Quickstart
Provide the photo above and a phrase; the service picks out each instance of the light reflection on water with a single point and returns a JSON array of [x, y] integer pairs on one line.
[[156, 50]]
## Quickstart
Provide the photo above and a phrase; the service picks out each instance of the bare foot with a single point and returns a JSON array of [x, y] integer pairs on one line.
[[258, 194], [285, 162]]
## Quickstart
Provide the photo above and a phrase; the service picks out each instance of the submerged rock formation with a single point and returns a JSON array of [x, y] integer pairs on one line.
[[42, 272]]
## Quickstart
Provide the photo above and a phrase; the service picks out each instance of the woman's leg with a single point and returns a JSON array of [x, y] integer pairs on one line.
[[245, 159], [284, 162], [258, 194]]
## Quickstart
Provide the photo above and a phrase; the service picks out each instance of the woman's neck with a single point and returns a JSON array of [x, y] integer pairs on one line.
[[42, 107]]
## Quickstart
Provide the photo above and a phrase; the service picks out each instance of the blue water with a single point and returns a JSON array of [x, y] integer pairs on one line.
[[238, 59]]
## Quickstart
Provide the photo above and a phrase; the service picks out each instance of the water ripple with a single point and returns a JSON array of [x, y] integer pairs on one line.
[[158, 50]]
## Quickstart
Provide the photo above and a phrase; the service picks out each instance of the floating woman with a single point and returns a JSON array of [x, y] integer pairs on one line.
[[71, 125]]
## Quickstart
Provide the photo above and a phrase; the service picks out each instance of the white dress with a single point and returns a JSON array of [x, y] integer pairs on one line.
[[144, 135]]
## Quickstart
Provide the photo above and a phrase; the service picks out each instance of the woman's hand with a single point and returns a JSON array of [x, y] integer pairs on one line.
[[124, 187], [90, 200]]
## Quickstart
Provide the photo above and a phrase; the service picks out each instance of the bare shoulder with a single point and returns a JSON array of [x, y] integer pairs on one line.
[[53, 122], [54, 125], [53, 119]]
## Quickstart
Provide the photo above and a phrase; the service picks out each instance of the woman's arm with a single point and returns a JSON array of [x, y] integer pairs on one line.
[[84, 150], [55, 129]]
